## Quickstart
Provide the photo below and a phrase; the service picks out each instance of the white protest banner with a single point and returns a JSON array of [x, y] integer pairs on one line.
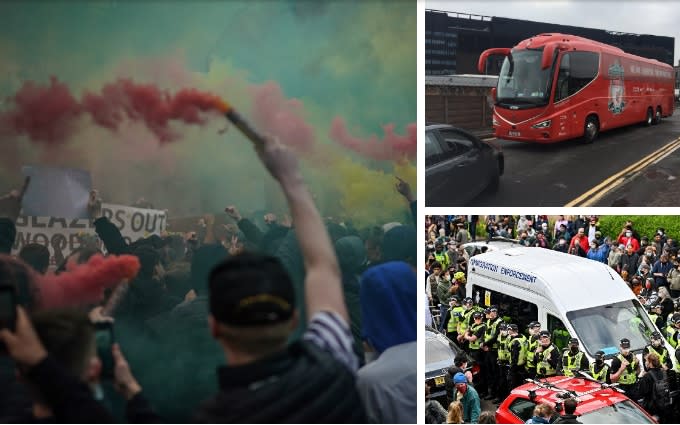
[[63, 236]]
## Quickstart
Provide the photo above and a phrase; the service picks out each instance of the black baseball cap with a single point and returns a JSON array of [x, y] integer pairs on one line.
[[599, 354], [625, 343], [251, 290]]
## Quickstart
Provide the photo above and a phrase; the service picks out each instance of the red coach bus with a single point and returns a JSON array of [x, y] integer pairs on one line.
[[554, 87]]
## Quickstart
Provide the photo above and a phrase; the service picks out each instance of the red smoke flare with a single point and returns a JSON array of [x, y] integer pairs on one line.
[[281, 117], [392, 147], [85, 283], [49, 114]]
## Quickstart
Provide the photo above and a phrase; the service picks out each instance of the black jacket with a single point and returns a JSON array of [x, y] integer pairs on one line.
[[567, 419], [299, 385]]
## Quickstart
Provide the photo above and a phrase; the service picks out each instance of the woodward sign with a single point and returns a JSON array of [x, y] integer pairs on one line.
[[64, 234]]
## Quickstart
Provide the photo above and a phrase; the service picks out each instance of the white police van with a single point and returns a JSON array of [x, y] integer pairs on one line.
[[585, 297]]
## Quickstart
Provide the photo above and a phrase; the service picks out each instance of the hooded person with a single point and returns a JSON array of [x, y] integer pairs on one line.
[[351, 254], [399, 244], [388, 384]]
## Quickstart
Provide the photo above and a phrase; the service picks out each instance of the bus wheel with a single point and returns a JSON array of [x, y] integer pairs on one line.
[[591, 129], [650, 117], [657, 116]]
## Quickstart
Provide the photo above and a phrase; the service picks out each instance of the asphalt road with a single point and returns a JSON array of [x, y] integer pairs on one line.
[[601, 174]]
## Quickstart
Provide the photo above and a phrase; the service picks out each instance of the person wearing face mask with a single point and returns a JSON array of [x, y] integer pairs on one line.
[[656, 346], [468, 397], [673, 279], [573, 359], [599, 369], [561, 245], [626, 238], [532, 344], [625, 369], [547, 356], [596, 253]]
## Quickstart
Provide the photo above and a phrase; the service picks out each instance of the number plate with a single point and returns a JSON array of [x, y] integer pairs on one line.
[[439, 380], [514, 133]]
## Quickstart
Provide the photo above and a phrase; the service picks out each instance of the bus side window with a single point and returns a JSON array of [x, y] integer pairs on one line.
[[562, 90]]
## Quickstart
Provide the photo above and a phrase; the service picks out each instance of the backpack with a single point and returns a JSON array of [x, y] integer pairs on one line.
[[661, 393]]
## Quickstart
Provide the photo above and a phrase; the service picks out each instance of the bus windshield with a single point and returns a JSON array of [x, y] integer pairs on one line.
[[522, 81], [602, 327]]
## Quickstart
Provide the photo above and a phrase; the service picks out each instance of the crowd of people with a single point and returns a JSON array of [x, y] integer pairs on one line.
[[507, 354], [304, 322]]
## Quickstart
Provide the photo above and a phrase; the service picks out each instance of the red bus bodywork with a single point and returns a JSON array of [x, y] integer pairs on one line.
[[597, 88]]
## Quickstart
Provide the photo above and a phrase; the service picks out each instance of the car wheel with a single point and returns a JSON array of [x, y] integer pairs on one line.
[[650, 117], [657, 116], [495, 180], [591, 129]]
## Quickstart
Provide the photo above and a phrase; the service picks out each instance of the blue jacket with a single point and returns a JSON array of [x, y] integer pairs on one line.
[[537, 420], [597, 254]]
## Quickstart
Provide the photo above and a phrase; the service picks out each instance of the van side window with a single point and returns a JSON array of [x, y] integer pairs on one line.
[[517, 310], [560, 335]]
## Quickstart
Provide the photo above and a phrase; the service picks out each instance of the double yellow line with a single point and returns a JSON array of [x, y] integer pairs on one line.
[[597, 192]]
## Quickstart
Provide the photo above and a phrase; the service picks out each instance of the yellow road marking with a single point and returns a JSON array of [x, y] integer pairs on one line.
[[597, 192]]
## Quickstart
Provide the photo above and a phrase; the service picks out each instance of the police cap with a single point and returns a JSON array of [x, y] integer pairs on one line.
[[477, 315], [656, 335], [534, 324], [573, 341], [513, 327], [544, 334], [625, 343]]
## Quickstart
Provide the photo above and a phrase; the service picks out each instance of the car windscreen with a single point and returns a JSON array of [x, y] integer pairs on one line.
[[437, 351], [625, 412], [522, 81], [602, 327]]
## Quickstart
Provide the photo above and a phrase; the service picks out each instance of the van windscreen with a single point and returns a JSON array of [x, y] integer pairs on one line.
[[602, 327]]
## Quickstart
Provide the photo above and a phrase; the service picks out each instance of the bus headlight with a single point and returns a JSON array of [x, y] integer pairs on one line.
[[542, 124]]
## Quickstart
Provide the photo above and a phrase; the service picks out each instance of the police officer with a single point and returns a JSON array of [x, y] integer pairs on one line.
[[455, 316], [656, 346], [532, 344], [490, 349], [475, 336], [465, 322], [573, 359], [673, 329], [656, 316], [518, 356], [547, 356], [599, 369], [504, 340], [625, 369]]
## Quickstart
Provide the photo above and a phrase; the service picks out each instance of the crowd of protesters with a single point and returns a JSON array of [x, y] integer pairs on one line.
[[304, 322], [491, 337]]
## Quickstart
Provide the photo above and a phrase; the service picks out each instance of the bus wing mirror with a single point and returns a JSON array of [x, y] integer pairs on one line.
[[481, 64]]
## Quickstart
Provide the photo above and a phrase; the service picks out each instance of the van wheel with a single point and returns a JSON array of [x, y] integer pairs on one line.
[[650, 117], [657, 116], [591, 129]]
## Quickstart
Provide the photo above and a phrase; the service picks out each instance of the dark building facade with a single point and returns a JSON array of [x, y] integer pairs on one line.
[[454, 41]]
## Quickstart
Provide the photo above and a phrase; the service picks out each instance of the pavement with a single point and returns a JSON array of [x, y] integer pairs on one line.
[[630, 166]]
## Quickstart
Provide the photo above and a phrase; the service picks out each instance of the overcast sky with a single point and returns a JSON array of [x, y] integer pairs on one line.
[[638, 17]]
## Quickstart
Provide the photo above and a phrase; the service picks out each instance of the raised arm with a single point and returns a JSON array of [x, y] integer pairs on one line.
[[323, 286]]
